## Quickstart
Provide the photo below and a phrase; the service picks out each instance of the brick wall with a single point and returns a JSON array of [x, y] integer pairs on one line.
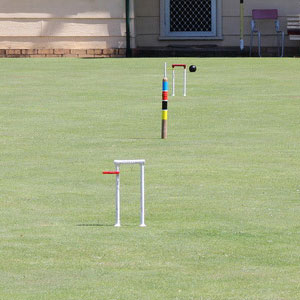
[[89, 53]]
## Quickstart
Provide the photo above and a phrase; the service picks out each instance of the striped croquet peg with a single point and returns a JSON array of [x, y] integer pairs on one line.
[[165, 92]]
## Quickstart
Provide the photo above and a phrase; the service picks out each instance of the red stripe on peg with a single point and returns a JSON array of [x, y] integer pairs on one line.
[[164, 95]]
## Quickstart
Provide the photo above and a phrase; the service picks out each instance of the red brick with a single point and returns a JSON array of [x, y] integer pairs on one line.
[[29, 51], [90, 52], [86, 56], [98, 51], [108, 51], [45, 51], [53, 55], [13, 52], [37, 55], [78, 51], [62, 51], [70, 55]]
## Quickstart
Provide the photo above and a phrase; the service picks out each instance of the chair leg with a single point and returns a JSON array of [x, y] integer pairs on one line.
[[282, 45], [259, 44], [278, 45], [251, 43]]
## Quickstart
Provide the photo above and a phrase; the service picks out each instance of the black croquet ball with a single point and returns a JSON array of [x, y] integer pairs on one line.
[[193, 68]]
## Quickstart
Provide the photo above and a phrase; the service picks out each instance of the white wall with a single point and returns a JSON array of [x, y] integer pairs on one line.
[[65, 24]]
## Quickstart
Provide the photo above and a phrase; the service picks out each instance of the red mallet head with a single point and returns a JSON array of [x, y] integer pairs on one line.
[[110, 172]]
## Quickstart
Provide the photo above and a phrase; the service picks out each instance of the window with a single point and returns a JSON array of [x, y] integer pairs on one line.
[[190, 18]]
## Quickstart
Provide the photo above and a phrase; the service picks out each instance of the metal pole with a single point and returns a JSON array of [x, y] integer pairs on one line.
[[128, 45], [142, 196], [242, 25], [259, 44], [165, 75], [118, 219]]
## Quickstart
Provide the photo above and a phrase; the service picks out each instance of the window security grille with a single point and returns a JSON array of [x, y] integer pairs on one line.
[[190, 15]]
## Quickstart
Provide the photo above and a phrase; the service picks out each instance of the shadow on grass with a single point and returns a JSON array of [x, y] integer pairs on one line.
[[139, 138], [145, 138], [105, 225], [95, 225]]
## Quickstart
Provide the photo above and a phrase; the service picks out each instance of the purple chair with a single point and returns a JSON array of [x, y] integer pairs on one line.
[[266, 14]]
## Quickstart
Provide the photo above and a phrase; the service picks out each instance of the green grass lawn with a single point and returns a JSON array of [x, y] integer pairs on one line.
[[222, 192]]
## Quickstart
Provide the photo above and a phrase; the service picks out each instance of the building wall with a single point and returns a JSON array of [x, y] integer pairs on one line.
[[63, 24], [100, 24], [147, 13]]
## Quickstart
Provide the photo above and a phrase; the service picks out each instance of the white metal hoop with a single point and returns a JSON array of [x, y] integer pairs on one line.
[[117, 163]]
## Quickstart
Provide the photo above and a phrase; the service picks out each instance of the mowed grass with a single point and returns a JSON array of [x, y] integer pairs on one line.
[[222, 192]]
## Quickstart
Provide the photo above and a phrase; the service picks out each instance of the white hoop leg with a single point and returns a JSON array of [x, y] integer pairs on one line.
[[165, 70], [142, 224], [184, 82], [173, 82], [118, 218]]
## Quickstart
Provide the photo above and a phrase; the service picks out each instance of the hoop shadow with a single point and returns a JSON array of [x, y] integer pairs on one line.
[[95, 225], [104, 225]]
